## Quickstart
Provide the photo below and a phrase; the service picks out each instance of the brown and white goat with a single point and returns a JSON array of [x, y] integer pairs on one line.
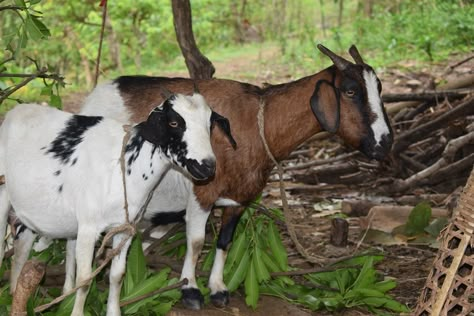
[[343, 99]]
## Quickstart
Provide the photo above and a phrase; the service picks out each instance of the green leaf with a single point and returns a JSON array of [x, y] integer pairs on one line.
[[276, 246], [40, 26], [239, 247], [385, 286], [209, 259], [136, 263], [418, 219], [251, 287], [238, 276], [47, 90], [366, 275], [153, 283], [33, 31], [260, 268], [55, 101], [437, 226], [20, 3], [33, 2]]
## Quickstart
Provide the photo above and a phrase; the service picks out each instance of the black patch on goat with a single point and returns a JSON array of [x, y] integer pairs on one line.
[[67, 140], [227, 232], [168, 218], [60, 189], [133, 149], [20, 228], [169, 140]]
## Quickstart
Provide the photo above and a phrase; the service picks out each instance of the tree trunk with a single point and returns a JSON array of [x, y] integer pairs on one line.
[[199, 66]]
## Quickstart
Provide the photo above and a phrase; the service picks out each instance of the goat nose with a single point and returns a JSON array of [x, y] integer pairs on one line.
[[210, 164], [386, 141]]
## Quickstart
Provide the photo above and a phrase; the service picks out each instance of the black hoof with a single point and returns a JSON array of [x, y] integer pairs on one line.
[[192, 298], [220, 299]]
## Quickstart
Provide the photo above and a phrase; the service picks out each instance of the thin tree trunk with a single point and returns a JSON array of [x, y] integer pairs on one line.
[[199, 66]]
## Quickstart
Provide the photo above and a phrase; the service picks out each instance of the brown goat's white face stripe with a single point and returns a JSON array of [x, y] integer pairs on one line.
[[379, 126]]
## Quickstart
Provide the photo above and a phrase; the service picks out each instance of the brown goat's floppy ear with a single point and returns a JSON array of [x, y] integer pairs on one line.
[[325, 105], [224, 125]]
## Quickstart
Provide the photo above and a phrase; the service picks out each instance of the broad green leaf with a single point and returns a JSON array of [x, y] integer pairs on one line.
[[260, 268], [40, 26], [65, 307], [251, 287], [152, 283], [163, 308], [136, 262], [55, 101], [20, 3], [35, 1], [276, 246], [418, 219], [47, 90], [385, 286], [209, 259], [238, 275], [236, 252], [436, 226], [366, 275], [33, 31]]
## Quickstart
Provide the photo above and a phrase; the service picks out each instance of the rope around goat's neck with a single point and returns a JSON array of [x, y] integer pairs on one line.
[[286, 211]]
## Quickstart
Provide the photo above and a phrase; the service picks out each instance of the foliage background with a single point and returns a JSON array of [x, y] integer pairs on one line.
[[140, 37]]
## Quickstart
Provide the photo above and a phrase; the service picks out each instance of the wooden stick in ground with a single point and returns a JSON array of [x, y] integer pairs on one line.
[[30, 277]]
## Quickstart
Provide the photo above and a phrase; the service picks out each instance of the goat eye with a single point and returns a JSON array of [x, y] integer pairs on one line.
[[173, 124], [350, 93]]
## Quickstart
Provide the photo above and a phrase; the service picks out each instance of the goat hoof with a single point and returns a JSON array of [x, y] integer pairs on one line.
[[220, 299], [192, 298]]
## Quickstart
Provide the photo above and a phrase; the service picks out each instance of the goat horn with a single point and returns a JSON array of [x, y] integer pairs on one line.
[[356, 55], [165, 92], [340, 62]]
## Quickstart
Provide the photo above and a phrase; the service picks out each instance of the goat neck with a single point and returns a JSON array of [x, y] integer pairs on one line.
[[289, 120]]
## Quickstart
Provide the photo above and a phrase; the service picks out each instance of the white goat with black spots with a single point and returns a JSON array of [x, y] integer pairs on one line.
[[64, 179]]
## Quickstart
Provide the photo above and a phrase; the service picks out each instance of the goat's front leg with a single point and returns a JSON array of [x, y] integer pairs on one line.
[[116, 275], [70, 265], [22, 244], [86, 238], [196, 219], [219, 292]]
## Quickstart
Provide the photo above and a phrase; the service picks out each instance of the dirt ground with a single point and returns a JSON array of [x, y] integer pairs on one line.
[[409, 264]]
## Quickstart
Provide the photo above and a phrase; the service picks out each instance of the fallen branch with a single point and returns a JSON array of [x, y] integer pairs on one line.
[[413, 135], [30, 277], [451, 148], [427, 95]]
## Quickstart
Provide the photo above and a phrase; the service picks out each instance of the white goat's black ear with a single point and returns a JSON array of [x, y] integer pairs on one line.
[[153, 129], [224, 125], [326, 106]]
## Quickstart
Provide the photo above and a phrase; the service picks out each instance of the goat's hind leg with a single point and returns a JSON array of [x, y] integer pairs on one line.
[[70, 265], [22, 244]]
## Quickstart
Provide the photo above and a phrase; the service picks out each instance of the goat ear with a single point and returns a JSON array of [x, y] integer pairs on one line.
[[224, 125], [153, 129], [325, 105]]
